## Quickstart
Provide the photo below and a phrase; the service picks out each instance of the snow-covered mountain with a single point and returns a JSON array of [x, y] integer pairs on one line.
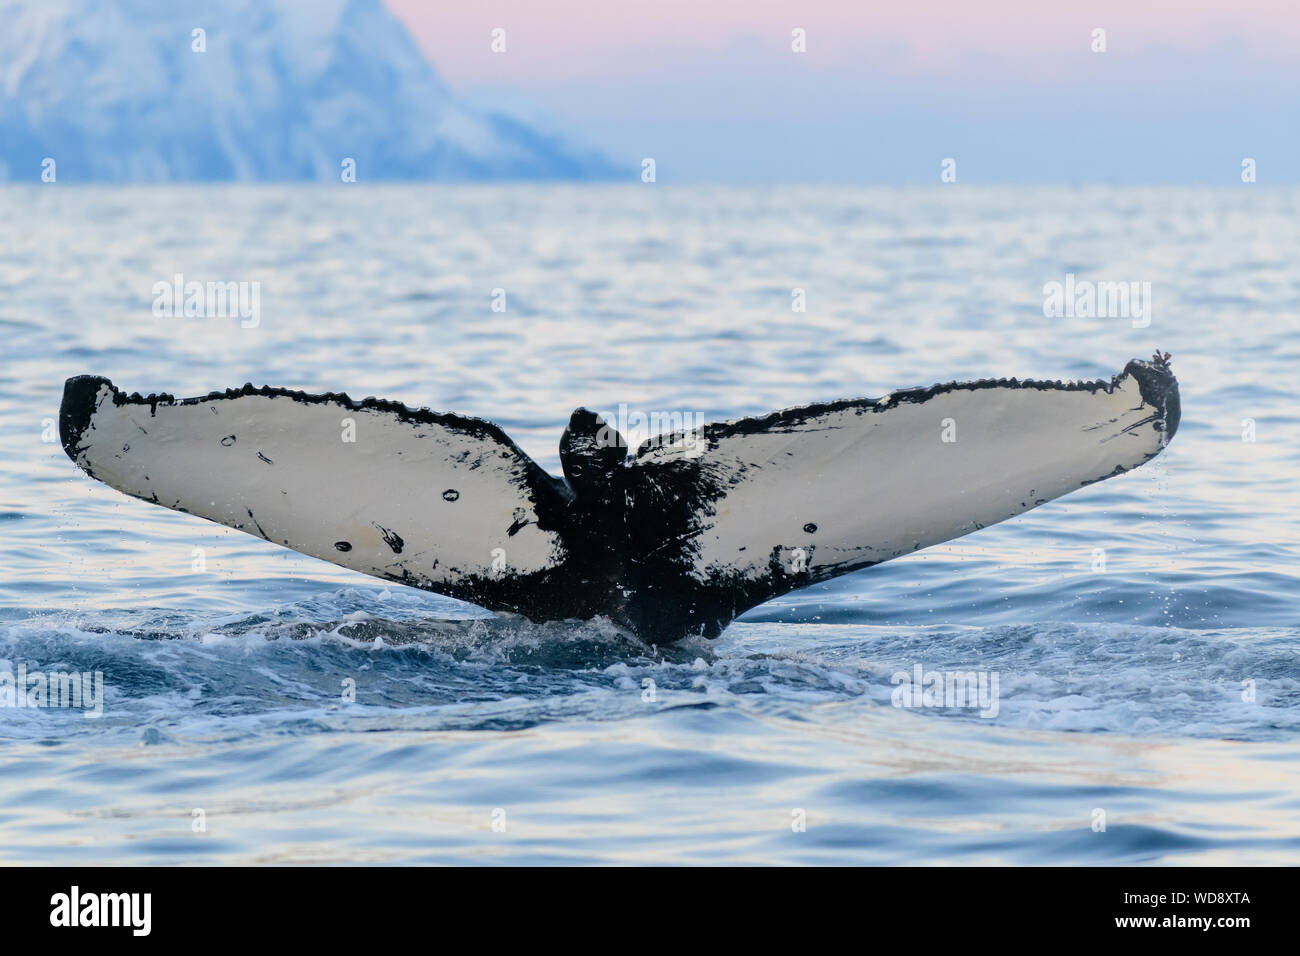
[[119, 90]]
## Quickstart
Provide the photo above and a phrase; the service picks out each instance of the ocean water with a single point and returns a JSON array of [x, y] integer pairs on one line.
[[1159, 696]]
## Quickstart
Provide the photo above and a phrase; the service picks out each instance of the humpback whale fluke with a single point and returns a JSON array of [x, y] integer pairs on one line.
[[678, 538]]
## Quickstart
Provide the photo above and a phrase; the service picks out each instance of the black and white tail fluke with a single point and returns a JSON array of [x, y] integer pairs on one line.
[[440, 502], [679, 539], [806, 494]]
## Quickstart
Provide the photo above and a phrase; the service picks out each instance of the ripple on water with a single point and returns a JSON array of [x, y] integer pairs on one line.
[[1162, 691]]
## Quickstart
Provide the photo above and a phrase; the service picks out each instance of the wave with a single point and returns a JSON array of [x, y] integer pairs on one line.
[[358, 658]]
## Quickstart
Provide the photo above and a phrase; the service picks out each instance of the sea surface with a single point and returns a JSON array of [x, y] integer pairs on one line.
[[1148, 710]]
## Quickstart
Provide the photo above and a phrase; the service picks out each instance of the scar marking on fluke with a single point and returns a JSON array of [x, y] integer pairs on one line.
[[259, 526], [228, 440], [391, 538]]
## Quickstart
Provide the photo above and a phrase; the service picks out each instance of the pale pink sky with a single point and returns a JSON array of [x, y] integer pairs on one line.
[[561, 40], [712, 90]]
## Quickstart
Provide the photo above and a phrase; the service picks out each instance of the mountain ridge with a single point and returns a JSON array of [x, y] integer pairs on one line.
[[279, 90]]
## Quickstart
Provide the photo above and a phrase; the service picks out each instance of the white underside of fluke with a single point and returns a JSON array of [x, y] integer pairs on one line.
[[357, 486], [833, 490]]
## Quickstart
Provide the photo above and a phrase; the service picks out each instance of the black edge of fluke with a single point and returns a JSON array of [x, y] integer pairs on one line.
[[78, 405], [1159, 389]]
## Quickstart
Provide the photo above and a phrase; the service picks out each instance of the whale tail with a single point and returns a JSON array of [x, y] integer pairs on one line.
[[680, 538], [748, 510], [437, 501]]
